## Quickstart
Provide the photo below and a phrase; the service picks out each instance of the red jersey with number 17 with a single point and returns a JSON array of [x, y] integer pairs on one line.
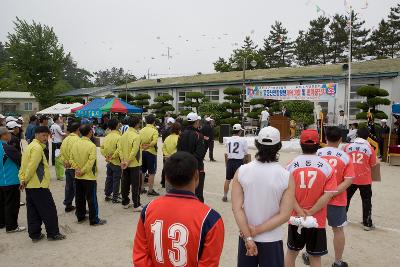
[[343, 167], [178, 230], [313, 177]]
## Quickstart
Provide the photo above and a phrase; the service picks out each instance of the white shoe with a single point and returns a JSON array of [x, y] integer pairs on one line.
[[138, 209], [127, 206], [17, 230]]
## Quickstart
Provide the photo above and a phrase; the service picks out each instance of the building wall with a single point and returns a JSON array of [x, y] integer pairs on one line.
[[19, 106]]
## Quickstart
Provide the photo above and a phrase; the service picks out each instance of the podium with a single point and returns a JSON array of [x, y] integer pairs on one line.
[[281, 123]]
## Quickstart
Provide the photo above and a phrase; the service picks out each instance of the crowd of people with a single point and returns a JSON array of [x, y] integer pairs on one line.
[[315, 187]]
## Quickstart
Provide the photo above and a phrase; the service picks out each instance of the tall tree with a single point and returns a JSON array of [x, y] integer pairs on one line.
[[383, 41], [221, 65], [278, 49], [359, 46], [113, 76], [394, 23], [319, 39], [76, 77], [339, 39], [302, 49], [247, 51], [36, 58]]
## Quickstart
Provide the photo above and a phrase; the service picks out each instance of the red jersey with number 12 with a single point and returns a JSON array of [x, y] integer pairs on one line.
[[178, 230], [313, 177], [343, 167]]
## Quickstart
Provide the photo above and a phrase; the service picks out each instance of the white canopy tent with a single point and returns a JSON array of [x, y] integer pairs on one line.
[[60, 109]]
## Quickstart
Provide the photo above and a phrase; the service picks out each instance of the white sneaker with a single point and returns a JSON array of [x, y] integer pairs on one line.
[[138, 209], [127, 206], [17, 230]]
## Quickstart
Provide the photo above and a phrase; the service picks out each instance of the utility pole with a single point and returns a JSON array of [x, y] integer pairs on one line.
[[350, 25]]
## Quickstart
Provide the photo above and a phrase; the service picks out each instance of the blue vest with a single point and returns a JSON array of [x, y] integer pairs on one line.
[[8, 168]]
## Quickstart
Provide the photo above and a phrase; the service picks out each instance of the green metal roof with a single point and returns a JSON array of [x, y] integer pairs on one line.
[[374, 68]]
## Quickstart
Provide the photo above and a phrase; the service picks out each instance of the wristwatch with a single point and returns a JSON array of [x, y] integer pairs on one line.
[[248, 239]]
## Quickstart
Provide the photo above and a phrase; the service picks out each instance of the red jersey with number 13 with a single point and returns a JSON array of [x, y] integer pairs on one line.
[[313, 177], [178, 230]]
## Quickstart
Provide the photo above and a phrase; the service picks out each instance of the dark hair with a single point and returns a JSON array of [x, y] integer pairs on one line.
[[112, 124], [175, 128], [309, 148], [267, 153], [355, 125], [150, 119], [73, 127], [42, 129], [85, 129], [32, 118], [180, 168], [43, 118], [56, 117], [363, 133], [236, 132], [133, 121], [333, 133]]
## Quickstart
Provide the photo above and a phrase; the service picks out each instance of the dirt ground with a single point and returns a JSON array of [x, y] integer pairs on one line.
[[111, 245]]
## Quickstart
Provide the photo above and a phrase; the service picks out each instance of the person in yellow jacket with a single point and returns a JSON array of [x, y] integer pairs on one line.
[[170, 145], [130, 155], [149, 137], [83, 160], [34, 175], [65, 157], [109, 150]]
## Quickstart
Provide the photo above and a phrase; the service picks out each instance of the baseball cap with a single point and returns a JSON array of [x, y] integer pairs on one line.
[[237, 127], [3, 130], [208, 119], [383, 120], [2, 116], [170, 120], [10, 118], [12, 124], [309, 137], [192, 116], [269, 136]]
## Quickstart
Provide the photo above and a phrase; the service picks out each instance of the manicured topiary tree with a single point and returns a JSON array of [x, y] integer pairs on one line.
[[126, 97], [161, 105], [141, 101], [375, 97], [302, 111], [233, 105], [257, 105], [194, 100], [215, 110]]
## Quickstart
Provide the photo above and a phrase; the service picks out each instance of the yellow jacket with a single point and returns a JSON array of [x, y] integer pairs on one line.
[[34, 169], [169, 145], [129, 148], [110, 146], [83, 157], [65, 150], [149, 135]]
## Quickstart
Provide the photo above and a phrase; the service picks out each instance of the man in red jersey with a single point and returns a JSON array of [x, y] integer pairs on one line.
[[364, 158], [177, 229], [315, 185]]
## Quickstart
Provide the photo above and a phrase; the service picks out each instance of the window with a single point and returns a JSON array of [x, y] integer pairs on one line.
[[9, 108], [28, 106], [181, 99], [162, 93], [212, 95]]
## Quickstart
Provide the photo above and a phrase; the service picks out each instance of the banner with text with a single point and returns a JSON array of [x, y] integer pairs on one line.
[[324, 91]]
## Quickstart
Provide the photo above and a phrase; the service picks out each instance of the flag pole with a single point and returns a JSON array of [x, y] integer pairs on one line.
[[350, 57]]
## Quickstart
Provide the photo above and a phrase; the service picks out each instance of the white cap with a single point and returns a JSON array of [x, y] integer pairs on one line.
[[12, 124], [192, 116], [170, 120], [10, 118], [237, 127], [2, 116], [266, 108], [384, 120], [208, 119], [21, 119], [269, 136]]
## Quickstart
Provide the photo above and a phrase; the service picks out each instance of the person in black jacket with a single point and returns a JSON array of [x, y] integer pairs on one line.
[[208, 131], [14, 128], [192, 141]]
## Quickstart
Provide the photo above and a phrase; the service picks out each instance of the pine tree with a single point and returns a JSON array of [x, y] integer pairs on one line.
[[359, 46], [339, 39], [394, 23], [248, 50], [382, 41], [302, 49], [319, 39], [221, 65], [278, 49]]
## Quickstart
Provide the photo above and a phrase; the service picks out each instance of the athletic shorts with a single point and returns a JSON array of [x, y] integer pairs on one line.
[[149, 163], [231, 167], [337, 216], [269, 254], [314, 239]]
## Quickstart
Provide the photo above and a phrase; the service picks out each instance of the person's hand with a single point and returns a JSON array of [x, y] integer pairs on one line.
[[309, 212], [78, 172], [124, 165], [302, 213], [206, 138], [67, 165], [251, 248], [22, 186], [253, 231], [108, 158], [145, 146]]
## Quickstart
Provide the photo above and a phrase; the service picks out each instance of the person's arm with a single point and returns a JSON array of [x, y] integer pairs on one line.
[[103, 150], [213, 246], [135, 149], [322, 202], [154, 139], [34, 161], [140, 254], [200, 150], [13, 154], [285, 210], [348, 174], [237, 196], [58, 128], [91, 160], [164, 148]]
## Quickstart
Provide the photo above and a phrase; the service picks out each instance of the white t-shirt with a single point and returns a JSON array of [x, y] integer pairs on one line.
[[57, 133], [264, 115], [263, 186], [236, 147]]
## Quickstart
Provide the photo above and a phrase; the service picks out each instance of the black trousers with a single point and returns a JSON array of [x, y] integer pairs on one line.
[[366, 195], [270, 254], [86, 192], [163, 174], [131, 181], [9, 206], [211, 149], [69, 187], [40, 208], [54, 146], [113, 180], [200, 187]]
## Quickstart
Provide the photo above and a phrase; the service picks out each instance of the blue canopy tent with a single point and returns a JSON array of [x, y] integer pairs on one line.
[[119, 106], [92, 109]]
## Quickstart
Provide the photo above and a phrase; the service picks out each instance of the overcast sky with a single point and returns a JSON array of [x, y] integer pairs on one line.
[[135, 34]]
